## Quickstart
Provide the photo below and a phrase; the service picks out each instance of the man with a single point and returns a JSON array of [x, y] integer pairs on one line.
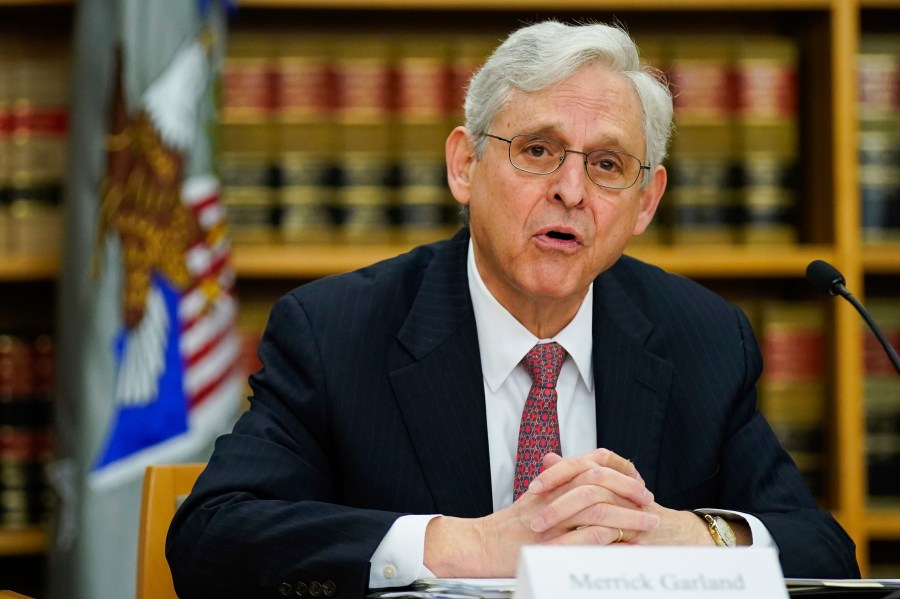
[[403, 410]]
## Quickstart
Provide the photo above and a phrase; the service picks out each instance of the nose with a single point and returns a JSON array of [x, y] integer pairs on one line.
[[571, 180]]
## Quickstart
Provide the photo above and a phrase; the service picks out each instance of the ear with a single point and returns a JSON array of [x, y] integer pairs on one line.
[[650, 197], [460, 157]]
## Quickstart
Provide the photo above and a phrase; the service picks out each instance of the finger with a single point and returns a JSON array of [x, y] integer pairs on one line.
[[551, 459], [561, 472], [573, 466], [611, 459], [621, 484], [612, 516], [593, 506], [591, 535]]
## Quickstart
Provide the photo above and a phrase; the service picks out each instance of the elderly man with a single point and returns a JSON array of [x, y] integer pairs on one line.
[[520, 383]]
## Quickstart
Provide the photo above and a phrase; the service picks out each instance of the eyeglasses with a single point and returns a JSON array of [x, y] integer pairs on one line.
[[541, 156]]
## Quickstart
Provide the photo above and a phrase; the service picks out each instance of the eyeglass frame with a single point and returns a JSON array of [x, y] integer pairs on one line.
[[566, 152]]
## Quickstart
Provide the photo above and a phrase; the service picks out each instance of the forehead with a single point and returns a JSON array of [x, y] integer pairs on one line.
[[594, 105]]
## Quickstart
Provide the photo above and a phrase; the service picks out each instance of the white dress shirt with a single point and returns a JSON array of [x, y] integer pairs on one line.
[[399, 559]]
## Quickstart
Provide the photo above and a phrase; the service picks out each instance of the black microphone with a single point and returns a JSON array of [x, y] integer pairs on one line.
[[828, 279]]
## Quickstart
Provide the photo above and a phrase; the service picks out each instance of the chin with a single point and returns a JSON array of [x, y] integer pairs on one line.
[[557, 290]]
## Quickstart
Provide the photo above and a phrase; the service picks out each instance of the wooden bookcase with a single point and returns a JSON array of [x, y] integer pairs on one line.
[[828, 33], [27, 291]]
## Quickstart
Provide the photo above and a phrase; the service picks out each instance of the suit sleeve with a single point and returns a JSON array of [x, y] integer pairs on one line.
[[261, 520], [758, 477]]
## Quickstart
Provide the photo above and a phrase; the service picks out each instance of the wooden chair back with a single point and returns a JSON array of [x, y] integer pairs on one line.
[[164, 487]]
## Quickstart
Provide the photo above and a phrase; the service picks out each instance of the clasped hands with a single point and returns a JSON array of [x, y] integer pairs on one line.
[[594, 499]]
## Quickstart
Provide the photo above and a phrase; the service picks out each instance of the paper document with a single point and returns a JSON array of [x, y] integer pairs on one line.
[[801, 587], [503, 588], [454, 588]]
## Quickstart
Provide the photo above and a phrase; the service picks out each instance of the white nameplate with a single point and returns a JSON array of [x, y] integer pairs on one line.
[[554, 572]]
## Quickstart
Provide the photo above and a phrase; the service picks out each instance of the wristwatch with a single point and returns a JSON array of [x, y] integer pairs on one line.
[[720, 531]]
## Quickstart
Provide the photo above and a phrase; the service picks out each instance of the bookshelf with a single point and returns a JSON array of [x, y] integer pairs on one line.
[[23, 542], [27, 278], [303, 262], [827, 34], [879, 266], [883, 259], [23, 267]]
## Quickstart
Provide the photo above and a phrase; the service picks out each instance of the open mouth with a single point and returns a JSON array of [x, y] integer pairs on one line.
[[562, 236]]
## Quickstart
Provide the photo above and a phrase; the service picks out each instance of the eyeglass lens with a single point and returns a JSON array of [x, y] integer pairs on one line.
[[542, 156]]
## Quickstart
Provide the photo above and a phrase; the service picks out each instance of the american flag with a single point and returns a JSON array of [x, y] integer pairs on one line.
[[176, 355]]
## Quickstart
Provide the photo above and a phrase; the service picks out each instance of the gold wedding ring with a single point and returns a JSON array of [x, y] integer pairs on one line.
[[621, 536]]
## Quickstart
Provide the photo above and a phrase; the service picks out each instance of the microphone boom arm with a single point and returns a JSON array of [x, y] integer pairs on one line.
[[888, 348]]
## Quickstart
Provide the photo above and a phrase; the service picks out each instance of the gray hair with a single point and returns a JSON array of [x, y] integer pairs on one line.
[[538, 56]]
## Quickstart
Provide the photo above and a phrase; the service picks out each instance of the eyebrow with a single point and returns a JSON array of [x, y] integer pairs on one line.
[[608, 143]]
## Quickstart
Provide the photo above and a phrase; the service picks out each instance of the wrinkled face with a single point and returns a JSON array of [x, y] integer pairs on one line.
[[544, 238]]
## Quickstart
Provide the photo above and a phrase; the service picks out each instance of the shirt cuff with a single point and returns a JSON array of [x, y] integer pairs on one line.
[[759, 534], [399, 559]]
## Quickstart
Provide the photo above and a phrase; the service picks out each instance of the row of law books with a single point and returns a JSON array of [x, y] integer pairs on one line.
[[878, 72], [882, 403], [293, 76], [26, 388], [311, 193], [328, 137], [342, 136], [733, 158], [34, 110], [793, 390]]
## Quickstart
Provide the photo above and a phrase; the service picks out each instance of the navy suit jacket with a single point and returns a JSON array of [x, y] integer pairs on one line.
[[370, 405]]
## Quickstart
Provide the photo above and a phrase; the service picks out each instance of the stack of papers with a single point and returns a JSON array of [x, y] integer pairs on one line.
[[503, 588], [799, 587], [454, 588]]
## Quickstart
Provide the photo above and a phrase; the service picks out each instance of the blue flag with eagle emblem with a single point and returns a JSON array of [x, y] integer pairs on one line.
[[148, 347]]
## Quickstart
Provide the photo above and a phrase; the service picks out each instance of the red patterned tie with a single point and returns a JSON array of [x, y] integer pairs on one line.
[[539, 430]]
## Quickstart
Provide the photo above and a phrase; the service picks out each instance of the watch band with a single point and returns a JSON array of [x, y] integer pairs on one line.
[[720, 531]]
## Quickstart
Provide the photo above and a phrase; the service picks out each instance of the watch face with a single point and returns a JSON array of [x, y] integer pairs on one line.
[[725, 532], [721, 531]]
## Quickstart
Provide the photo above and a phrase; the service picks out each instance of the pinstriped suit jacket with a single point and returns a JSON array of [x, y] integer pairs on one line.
[[370, 405]]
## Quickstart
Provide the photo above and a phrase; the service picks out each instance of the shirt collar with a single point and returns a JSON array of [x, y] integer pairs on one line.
[[494, 322]]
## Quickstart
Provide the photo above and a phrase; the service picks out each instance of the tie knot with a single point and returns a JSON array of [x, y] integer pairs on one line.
[[544, 362]]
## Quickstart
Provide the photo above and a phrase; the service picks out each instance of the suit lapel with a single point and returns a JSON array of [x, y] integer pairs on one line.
[[439, 387], [631, 383], [438, 383]]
